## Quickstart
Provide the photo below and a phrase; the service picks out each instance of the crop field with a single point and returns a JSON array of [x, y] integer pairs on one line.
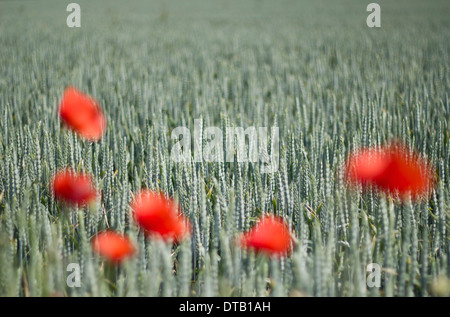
[[313, 69]]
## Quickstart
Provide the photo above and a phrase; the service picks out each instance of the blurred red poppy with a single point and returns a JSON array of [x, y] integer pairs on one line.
[[367, 165], [113, 246], [159, 216], [271, 236], [73, 188], [392, 169], [82, 114]]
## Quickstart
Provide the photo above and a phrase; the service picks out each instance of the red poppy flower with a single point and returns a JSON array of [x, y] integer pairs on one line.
[[392, 169], [113, 246], [82, 114], [366, 166], [159, 216], [73, 188], [271, 236]]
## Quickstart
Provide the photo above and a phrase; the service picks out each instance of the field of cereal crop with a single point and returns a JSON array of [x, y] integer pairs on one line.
[[312, 69]]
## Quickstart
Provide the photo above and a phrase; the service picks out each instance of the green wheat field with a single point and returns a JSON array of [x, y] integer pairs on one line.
[[311, 68]]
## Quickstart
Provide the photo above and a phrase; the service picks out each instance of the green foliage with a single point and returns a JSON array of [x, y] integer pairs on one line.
[[328, 82]]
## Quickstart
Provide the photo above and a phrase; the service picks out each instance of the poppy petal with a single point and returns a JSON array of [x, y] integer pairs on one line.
[[113, 246], [271, 236], [405, 173], [73, 188], [82, 114], [392, 169], [366, 166], [159, 216]]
